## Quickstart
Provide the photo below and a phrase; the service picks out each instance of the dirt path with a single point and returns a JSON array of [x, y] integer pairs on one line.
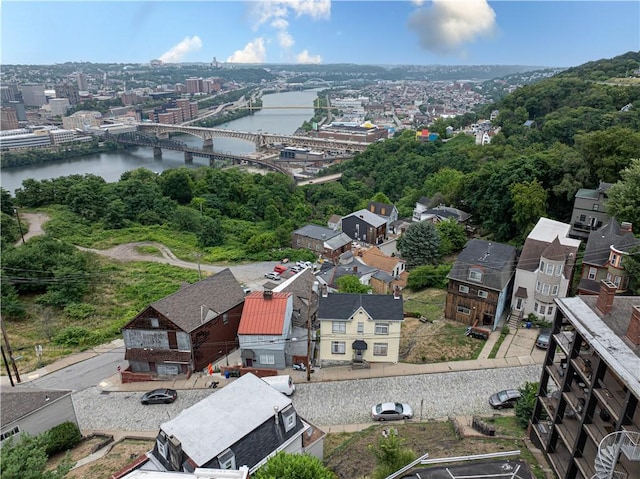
[[35, 222]]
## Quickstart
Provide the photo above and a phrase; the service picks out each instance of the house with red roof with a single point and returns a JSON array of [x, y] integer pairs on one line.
[[265, 329]]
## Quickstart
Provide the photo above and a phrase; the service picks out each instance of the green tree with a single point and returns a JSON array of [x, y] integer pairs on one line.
[[390, 455], [351, 284], [210, 233], [9, 230], [293, 466], [6, 202], [631, 264], [624, 196], [524, 406], [10, 304], [27, 459], [428, 276], [177, 185], [452, 236], [447, 182], [529, 205], [420, 244]]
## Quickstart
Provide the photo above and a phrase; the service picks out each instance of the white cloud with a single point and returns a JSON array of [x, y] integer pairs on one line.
[[176, 53], [304, 57], [285, 39], [253, 52], [280, 24], [445, 26], [265, 10]]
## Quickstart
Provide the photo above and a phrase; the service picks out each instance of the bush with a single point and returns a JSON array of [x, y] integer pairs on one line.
[[524, 407], [428, 277], [71, 336], [62, 438]]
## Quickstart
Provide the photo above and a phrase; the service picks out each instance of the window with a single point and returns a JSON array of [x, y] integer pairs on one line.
[[483, 294], [289, 418], [592, 273], [616, 281], [225, 318], [554, 290], [558, 269], [382, 328], [338, 347], [227, 460], [463, 289], [545, 289], [9, 433], [475, 275], [380, 349], [549, 271], [463, 310], [538, 286], [154, 322], [297, 241], [267, 359], [541, 265], [609, 277], [338, 327], [360, 327], [596, 207], [549, 310], [614, 259], [317, 247], [535, 307], [583, 218]]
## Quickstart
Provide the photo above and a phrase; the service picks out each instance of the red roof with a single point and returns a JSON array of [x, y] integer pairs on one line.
[[263, 316]]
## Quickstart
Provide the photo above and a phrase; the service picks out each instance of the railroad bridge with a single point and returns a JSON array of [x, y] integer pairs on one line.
[[141, 139], [261, 140]]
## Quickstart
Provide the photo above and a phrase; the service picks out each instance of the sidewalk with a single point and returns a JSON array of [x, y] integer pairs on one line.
[[516, 350]]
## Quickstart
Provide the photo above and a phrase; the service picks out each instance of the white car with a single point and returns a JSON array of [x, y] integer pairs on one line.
[[388, 411], [272, 275]]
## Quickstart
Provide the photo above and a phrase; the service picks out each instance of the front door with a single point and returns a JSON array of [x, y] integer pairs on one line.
[[519, 304], [249, 362]]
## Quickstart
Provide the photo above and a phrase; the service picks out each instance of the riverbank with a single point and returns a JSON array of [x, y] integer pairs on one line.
[[38, 156]]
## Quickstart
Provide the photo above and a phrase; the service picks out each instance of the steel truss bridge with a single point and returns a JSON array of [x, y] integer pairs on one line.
[[261, 140], [141, 139]]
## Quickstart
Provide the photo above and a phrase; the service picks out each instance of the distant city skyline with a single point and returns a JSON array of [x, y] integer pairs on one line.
[[420, 32]]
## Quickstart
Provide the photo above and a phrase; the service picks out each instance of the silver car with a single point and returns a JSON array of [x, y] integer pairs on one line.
[[388, 411]]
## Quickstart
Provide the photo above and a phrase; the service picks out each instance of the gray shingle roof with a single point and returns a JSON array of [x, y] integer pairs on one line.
[[317, 232], [217, 294], [366, 215], [599, 243], [19, 402], [496, 260], [341, 306]]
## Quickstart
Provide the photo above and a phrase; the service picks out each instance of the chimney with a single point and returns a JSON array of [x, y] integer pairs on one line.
[[633, 331], [275, 410], [325, 291], [626, 227], [267, 294], [606, 296], [396, 292], [355, 268]]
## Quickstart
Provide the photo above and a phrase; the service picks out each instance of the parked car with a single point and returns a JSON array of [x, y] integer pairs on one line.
[[388, 411], [296, 269], [542, 341], [159, 396], [272, 275], [505, 398], [279, 268]]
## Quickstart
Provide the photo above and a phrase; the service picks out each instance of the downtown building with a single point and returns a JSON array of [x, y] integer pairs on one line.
[[586, 418]]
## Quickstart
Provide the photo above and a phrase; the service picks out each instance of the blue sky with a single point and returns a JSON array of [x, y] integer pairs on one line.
[[445, 32]]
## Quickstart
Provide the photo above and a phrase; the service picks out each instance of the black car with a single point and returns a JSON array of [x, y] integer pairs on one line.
[[506, 398], [159, 396], [542, 341]]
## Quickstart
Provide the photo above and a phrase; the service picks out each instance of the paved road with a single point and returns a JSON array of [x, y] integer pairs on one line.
[[324, 404]]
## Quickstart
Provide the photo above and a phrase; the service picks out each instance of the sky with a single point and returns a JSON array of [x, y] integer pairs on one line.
[[419, 32]]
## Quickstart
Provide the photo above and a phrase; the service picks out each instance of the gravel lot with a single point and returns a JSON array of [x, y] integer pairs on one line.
[[329, 403]]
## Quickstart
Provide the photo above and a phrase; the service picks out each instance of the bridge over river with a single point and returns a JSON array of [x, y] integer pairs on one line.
[[261, 140]]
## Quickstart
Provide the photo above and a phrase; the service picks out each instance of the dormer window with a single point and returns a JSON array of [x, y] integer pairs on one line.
[[475, 275], [289, 419], [227, 460], [614, 260]]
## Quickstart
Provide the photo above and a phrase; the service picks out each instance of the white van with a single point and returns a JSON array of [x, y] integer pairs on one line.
[[282, 383]]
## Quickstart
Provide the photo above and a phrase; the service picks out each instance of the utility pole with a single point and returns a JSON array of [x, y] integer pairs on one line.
[[6, 365], [15, 210], [198, 256], [6, 342]]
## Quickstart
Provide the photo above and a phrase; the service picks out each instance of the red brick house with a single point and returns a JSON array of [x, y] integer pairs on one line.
[[187, 330]]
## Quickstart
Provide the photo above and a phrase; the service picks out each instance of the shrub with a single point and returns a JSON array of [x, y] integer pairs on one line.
[[62, 438], [78, 311], [71, 336], [428, 276]]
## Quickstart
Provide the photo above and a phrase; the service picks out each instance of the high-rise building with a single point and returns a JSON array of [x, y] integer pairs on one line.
[[69, 91], [6, 94], [33, 95], [83, 83], [586, 418], [59, 106], [194, 85], [8, 118], [18, 106]]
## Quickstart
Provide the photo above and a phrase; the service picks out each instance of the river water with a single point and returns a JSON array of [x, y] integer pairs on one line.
[[111, 165]]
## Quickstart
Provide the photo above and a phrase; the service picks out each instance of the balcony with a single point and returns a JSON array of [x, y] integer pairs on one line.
[[583, 364], [556, 371], [568, 430], [564, 340], [585, 465], [560, 460], [550, 404], [543, 431]]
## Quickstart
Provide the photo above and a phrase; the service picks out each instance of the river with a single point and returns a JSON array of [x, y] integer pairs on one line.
[[111, 165]]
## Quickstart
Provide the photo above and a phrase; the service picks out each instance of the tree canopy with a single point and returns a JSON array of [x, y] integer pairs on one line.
[[293, 466], [420, 244]]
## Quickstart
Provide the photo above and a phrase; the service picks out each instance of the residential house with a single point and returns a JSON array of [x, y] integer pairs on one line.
[[198, 473], [388, 212], [185, 331], [544, 271], [365, 226], [586, 417], [324, 242], [265, 329], [303, 288], [348, 265], [589, 212], [242, 424], [480, 283], [355, 328], [443, 213], [421, 206], [33, 411], [604, 257], [334, 222], [391, 271]]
